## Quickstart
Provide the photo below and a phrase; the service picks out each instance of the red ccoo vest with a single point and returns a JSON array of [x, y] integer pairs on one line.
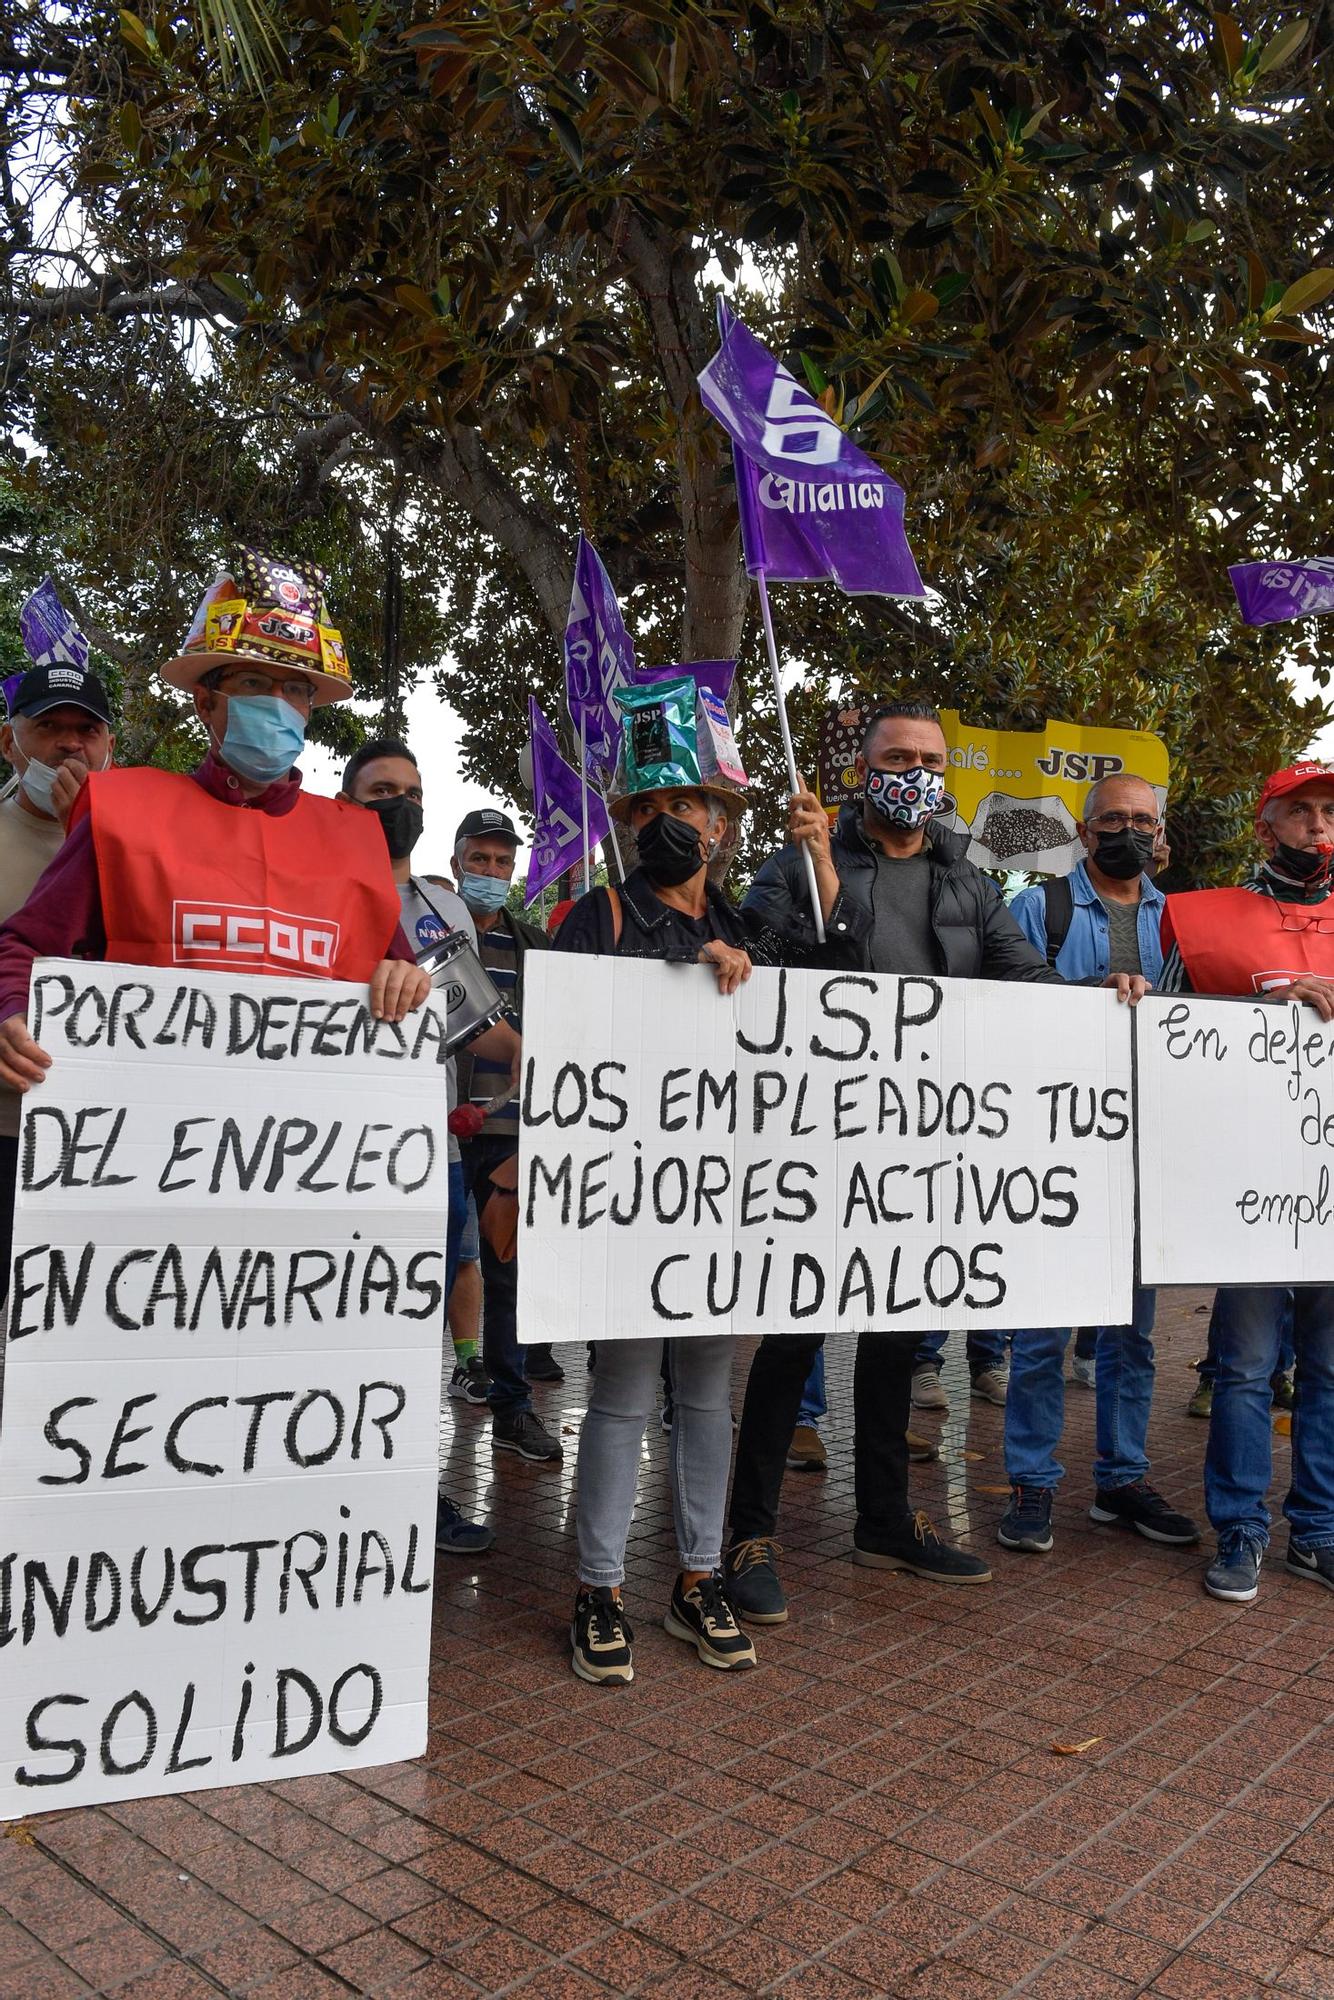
[[1233, 941], [187, 880]]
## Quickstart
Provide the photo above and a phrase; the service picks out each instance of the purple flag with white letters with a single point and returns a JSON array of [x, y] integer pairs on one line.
[[599, 658], [8, 689], [558, 839], [715, 675], [812, 504], [50, 636], [1270, 592]]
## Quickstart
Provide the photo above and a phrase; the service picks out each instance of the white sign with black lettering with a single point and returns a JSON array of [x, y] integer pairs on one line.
[[218, 1445], [1236, 1140], [820, 1152]]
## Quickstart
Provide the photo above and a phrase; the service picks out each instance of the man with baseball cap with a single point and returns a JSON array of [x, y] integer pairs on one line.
[[58, 728], [1272, 938], [234, 868], [485, 848]]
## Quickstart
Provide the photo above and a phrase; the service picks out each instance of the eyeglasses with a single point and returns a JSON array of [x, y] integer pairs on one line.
[[1292, 921], [1121, 822], [298, 690]]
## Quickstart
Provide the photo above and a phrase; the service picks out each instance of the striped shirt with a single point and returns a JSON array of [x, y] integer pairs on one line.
[[499, 954]]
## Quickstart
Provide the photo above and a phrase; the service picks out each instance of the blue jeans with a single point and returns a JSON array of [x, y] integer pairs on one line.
[[1238, 1462], [622, 1398], [1207, 1370], [458, 1215], [509, 1395], [813, 1404], [1035, 1405], [985, 1349]]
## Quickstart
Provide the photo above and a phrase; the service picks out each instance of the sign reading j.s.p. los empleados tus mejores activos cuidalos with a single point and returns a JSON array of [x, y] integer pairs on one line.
[[219, 1436]]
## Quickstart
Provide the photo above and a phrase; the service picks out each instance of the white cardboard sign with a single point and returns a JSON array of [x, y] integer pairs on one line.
[[218, 1447], [822, 1151], [1236, 1140]]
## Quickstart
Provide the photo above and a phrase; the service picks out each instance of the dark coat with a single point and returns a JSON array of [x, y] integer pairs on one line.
[[650, 928]]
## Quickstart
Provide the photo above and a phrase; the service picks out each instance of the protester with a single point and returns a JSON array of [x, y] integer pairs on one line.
[[988, 1369], [483, 867], [668, 910], [469, 1381], [58, 729], [1280, 1382], [384, 778], [1268, 939], [897, 896], [1104, 917]]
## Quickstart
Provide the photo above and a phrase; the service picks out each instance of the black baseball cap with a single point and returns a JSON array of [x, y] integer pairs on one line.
[[488, 820], [60, 685]]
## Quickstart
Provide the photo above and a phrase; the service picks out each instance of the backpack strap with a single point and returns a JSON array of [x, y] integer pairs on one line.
[[1059, 900]]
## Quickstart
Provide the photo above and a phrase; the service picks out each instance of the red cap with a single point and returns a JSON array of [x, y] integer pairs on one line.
[[1291, 780]]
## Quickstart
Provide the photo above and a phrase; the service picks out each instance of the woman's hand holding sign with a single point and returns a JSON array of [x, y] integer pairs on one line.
[[22, 1062]]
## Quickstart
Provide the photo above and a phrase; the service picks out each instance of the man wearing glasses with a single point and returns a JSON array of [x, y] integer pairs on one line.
[[1103, 918], [1273, 938], [235, 868]]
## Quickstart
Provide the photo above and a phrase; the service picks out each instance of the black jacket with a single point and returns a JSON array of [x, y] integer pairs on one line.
[[976, 937], [650, 928]]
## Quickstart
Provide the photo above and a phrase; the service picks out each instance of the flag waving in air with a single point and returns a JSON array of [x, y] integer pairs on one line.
[[599, 658], [1269, 593], [812, 504], [558, 802], [50, 636]]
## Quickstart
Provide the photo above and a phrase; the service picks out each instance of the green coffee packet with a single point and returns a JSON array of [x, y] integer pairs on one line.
[[660, 746]]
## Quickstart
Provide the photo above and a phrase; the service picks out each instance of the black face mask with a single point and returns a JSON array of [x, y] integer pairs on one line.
[[669, 851], [402, 819], [1299, 865], [1122, 855]]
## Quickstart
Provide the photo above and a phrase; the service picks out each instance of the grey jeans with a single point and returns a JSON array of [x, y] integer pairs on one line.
[[623, 1397]]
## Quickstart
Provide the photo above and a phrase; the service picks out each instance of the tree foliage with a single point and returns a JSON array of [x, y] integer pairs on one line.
[[1063, 272]]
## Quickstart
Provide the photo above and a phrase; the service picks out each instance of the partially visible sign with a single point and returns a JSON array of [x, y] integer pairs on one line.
[[218, 1457], [832, 1151], [1236, 1140], [1016, 793]]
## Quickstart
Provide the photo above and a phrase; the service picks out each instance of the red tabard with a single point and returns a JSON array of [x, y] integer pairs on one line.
[[1233, 941], [187, 880]]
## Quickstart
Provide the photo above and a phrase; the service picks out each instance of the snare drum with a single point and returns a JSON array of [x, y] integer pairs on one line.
[[472, 1000]]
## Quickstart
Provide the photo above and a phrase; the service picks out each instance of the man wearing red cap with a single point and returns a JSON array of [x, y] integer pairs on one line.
[[1273, 937]]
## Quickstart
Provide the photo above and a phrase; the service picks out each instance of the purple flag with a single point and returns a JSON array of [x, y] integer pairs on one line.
[[558, 839], [1269, 592], [812, 504], [8, 689], [715, 675], [49, 633], [599, 658]]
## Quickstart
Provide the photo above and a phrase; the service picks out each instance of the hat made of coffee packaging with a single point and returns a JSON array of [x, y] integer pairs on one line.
[[676, 737], [269, 613]]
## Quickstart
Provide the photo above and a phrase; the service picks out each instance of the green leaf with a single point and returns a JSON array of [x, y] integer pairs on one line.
[[567, 137], [233, 287], [131, 125], [1304, 293], [136, 34], [1231, 42], [1285, 43], [816, 379]]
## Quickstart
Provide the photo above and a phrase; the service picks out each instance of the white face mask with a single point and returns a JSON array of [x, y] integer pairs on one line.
[[38, 779]]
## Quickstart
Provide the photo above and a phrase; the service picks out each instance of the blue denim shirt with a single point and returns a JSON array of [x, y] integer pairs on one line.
[[1086, 952]]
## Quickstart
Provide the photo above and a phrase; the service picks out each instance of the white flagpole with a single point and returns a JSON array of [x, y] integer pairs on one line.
[[615, 843], [788, 751], [583, 790]]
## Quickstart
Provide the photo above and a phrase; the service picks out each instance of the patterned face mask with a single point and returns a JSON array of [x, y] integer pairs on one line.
[[905, 798]]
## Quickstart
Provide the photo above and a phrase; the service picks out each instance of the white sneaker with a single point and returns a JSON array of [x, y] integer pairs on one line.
[[991, 1384], [1084, 1371], [928, 1391]]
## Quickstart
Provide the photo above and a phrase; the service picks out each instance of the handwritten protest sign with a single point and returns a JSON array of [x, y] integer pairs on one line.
[[821, 1151], [1016, 793], [218, 1443], [1236, 1137]]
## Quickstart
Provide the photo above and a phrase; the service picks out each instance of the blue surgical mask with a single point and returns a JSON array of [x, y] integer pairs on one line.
[[263, 738], [485, 893]]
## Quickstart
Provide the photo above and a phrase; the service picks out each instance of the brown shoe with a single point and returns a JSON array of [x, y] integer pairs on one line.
[[922, 1451], [806, 1453]]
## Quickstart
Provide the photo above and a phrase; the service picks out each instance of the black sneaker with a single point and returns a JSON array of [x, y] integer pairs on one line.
[[527, 1435], [470, 1381], [1026, 1522], [1234, 1573], [601, 1637], [703, 1617], [1137, 1506], [541, 1365], [455, 1534], [1318, 1564], [916, 1546], [750, 1578]]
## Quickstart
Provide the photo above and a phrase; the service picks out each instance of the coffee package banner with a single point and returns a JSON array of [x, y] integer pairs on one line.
[[1236, 1136], [819, 1152], [1016, 793], [219, 1437]]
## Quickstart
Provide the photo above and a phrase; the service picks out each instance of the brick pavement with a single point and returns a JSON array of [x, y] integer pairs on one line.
[[876, 1811]]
